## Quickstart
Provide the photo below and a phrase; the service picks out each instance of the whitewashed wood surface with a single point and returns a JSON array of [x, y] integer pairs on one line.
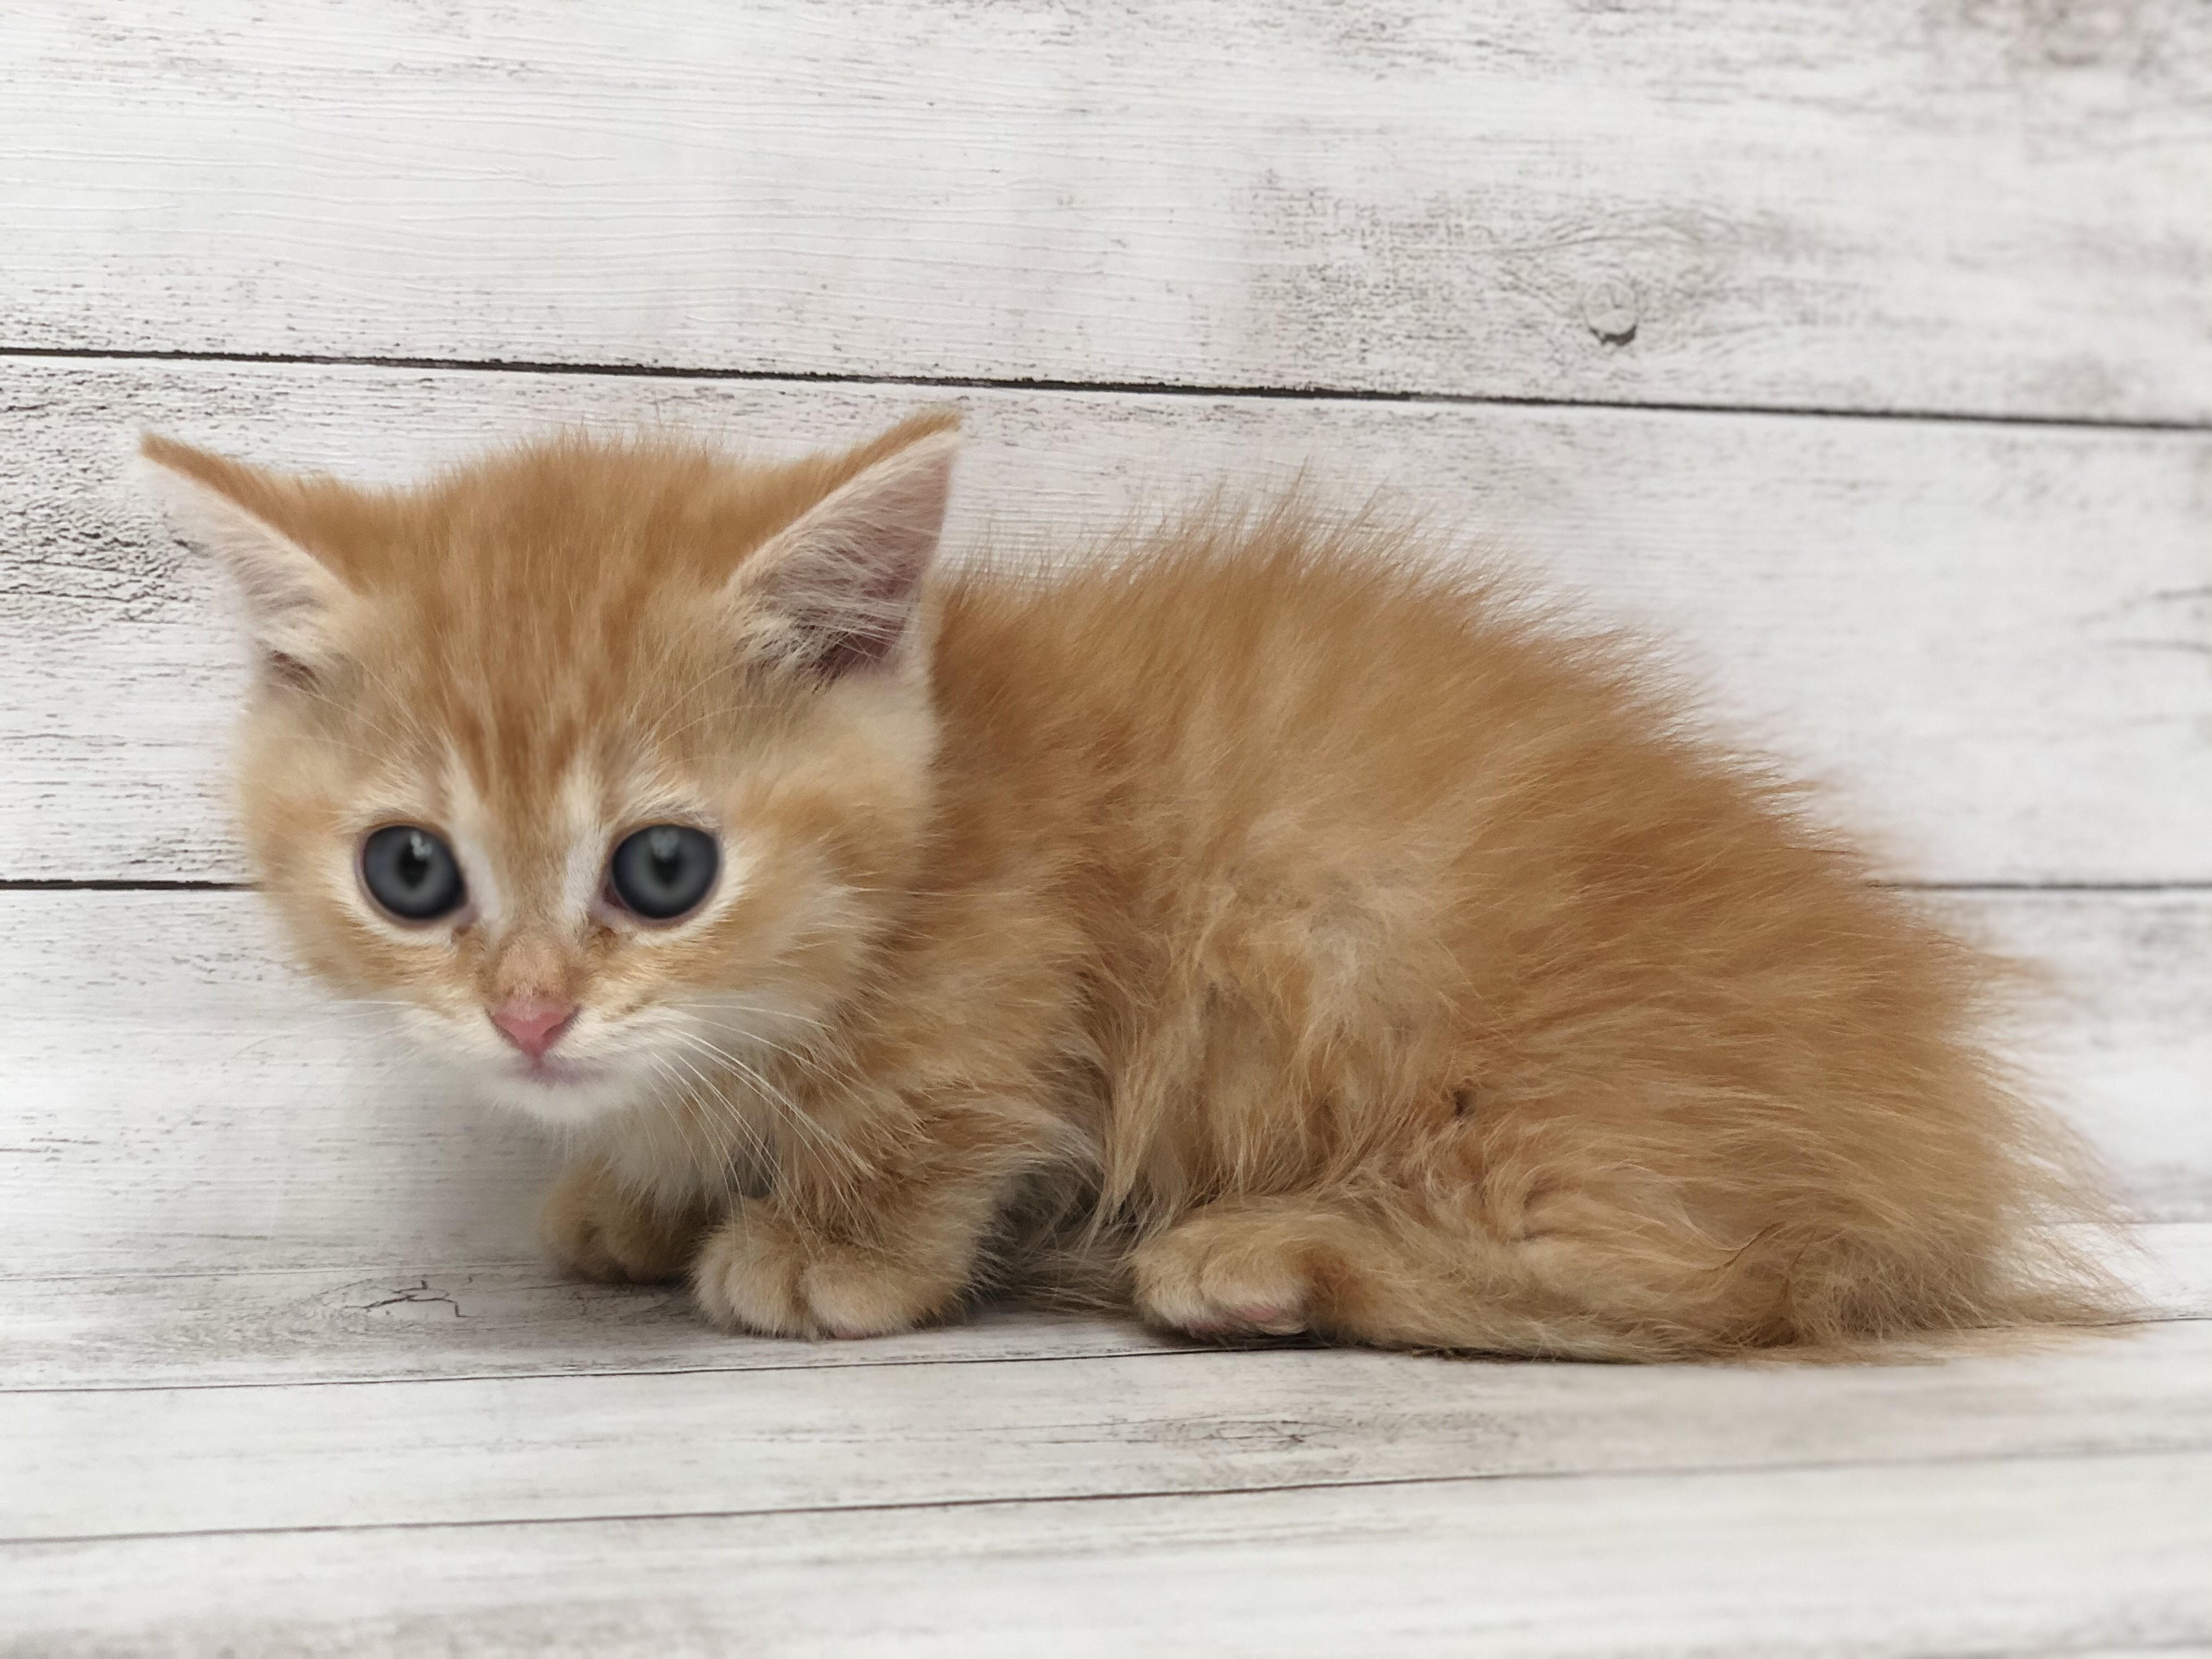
[[2000, 206], [1979, 1556], [1996, 641], [1637, 296], [855, 1436]]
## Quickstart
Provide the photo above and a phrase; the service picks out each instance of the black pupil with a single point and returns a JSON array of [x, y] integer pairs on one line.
[[661, 871], [411, 873]]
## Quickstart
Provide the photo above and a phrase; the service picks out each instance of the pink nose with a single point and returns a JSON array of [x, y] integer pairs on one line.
[[533, 1024]]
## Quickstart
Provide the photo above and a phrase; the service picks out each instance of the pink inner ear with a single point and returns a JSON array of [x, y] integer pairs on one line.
[[862, 632], [847, 577]]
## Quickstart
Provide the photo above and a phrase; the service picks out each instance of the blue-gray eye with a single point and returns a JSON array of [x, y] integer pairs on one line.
[[664, 871], [411, 873]]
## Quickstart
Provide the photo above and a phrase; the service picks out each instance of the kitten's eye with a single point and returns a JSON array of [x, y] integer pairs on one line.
[[411, 873], [664, 871]]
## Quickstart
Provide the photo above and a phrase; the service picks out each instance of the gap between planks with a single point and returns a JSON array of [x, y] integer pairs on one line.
[[1256, 390], [953, 1505]]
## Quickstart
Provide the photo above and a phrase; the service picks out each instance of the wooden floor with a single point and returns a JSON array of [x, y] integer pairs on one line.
[[491, 1461]]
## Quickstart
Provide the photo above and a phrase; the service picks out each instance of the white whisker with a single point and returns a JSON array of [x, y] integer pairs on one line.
[[801, 1121]]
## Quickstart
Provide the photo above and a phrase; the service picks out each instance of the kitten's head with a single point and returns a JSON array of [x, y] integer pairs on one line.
[[597, 758]]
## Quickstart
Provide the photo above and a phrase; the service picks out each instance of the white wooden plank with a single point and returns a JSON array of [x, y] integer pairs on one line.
[[522, 1319], [335, 1325], [85, 1463], [1991, 641], [2125, 1047], [1996, 207], [171, 1099], [176, 1099], [1951, 1557]]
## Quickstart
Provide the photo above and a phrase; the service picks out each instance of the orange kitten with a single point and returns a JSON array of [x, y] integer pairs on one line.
[[1287, 931]]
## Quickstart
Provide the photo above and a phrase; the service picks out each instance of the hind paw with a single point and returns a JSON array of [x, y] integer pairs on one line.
[[1225, 1275]]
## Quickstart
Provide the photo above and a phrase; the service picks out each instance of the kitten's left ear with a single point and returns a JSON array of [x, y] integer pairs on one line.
[[836, 591], [239, 514]]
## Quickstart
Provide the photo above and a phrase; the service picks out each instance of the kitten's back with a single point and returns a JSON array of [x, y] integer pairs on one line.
[[1387, 876]]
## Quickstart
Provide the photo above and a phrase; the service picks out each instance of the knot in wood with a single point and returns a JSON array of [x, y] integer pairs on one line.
[[1609, 310]]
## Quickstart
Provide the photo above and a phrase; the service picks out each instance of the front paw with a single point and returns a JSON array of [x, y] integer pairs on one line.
[[762, 1271], [596, 1227]]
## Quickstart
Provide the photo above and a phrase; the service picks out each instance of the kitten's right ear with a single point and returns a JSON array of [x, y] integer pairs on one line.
[[837, 591], [236, 513]]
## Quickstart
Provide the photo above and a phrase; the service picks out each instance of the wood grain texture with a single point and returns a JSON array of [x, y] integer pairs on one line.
[[1969, 1556], [175, 1101], [1995, 642], [522, 1319], [1979, 205], [143, 1330], [116, 1463]]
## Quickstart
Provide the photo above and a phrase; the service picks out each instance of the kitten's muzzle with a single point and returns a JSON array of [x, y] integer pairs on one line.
[[534, 1024]]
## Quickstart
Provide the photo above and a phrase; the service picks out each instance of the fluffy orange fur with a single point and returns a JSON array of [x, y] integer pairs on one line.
[[1271, 922]]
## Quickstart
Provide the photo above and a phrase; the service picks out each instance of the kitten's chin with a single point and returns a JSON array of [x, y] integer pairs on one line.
[[560, 1094]]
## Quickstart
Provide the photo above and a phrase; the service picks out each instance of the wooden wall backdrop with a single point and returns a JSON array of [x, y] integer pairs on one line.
[[1862, 354]]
